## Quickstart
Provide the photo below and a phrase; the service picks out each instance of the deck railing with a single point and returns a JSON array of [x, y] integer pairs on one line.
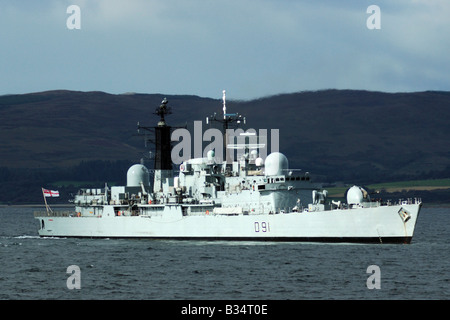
[[53, 213]]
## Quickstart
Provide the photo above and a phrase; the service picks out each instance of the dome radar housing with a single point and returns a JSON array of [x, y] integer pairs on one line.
[[136, 174], [357, 195], [259, 162], [275, 164]]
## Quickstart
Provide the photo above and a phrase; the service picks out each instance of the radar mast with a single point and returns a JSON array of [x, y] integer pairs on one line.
[[228, 119]]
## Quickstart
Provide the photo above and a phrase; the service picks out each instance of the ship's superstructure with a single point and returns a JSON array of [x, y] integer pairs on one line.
[[208, 198]]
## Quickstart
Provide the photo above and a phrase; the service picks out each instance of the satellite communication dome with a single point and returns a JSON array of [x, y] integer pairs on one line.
[[210, 155], [259, 162], [357, 195], [275, 164], [136, 174]]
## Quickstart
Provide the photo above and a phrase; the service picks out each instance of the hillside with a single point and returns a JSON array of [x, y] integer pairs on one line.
[[61, 128], [372, 135], [341, 135]]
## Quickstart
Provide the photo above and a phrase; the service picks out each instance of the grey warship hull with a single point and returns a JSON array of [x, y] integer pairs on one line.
[[377, 224]]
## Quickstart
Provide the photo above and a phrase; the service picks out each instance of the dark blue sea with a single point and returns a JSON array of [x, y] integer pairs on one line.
[[35, 268]]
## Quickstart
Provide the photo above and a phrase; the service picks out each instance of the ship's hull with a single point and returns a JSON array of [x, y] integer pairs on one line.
[[381, 224]]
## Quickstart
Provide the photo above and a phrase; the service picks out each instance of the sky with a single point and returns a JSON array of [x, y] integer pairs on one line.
[[250, 48]]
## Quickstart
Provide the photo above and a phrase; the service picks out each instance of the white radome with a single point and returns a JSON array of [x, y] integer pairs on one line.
[[356, 195], [136, 174], [275, 164]]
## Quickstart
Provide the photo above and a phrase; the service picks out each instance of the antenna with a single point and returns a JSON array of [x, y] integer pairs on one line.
[[228, 119], [162, 111], [224, 105]]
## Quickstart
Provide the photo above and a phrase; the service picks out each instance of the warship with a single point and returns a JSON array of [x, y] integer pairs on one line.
[[209, 198]]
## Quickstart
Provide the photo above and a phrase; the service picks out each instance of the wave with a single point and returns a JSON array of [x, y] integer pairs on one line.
[[26, 237], [34, 237]]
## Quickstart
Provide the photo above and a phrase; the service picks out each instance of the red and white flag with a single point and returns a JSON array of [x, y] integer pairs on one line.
[[50, 193]]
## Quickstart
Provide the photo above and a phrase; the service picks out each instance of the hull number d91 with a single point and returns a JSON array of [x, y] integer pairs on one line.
[[262, 226]]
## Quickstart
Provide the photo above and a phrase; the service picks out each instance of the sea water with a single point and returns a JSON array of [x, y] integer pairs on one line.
[[37, 268]]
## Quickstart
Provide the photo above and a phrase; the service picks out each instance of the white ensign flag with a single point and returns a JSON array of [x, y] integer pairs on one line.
[[50, 193]]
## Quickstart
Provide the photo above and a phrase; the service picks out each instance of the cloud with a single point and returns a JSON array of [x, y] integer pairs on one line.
[[251, 48]]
